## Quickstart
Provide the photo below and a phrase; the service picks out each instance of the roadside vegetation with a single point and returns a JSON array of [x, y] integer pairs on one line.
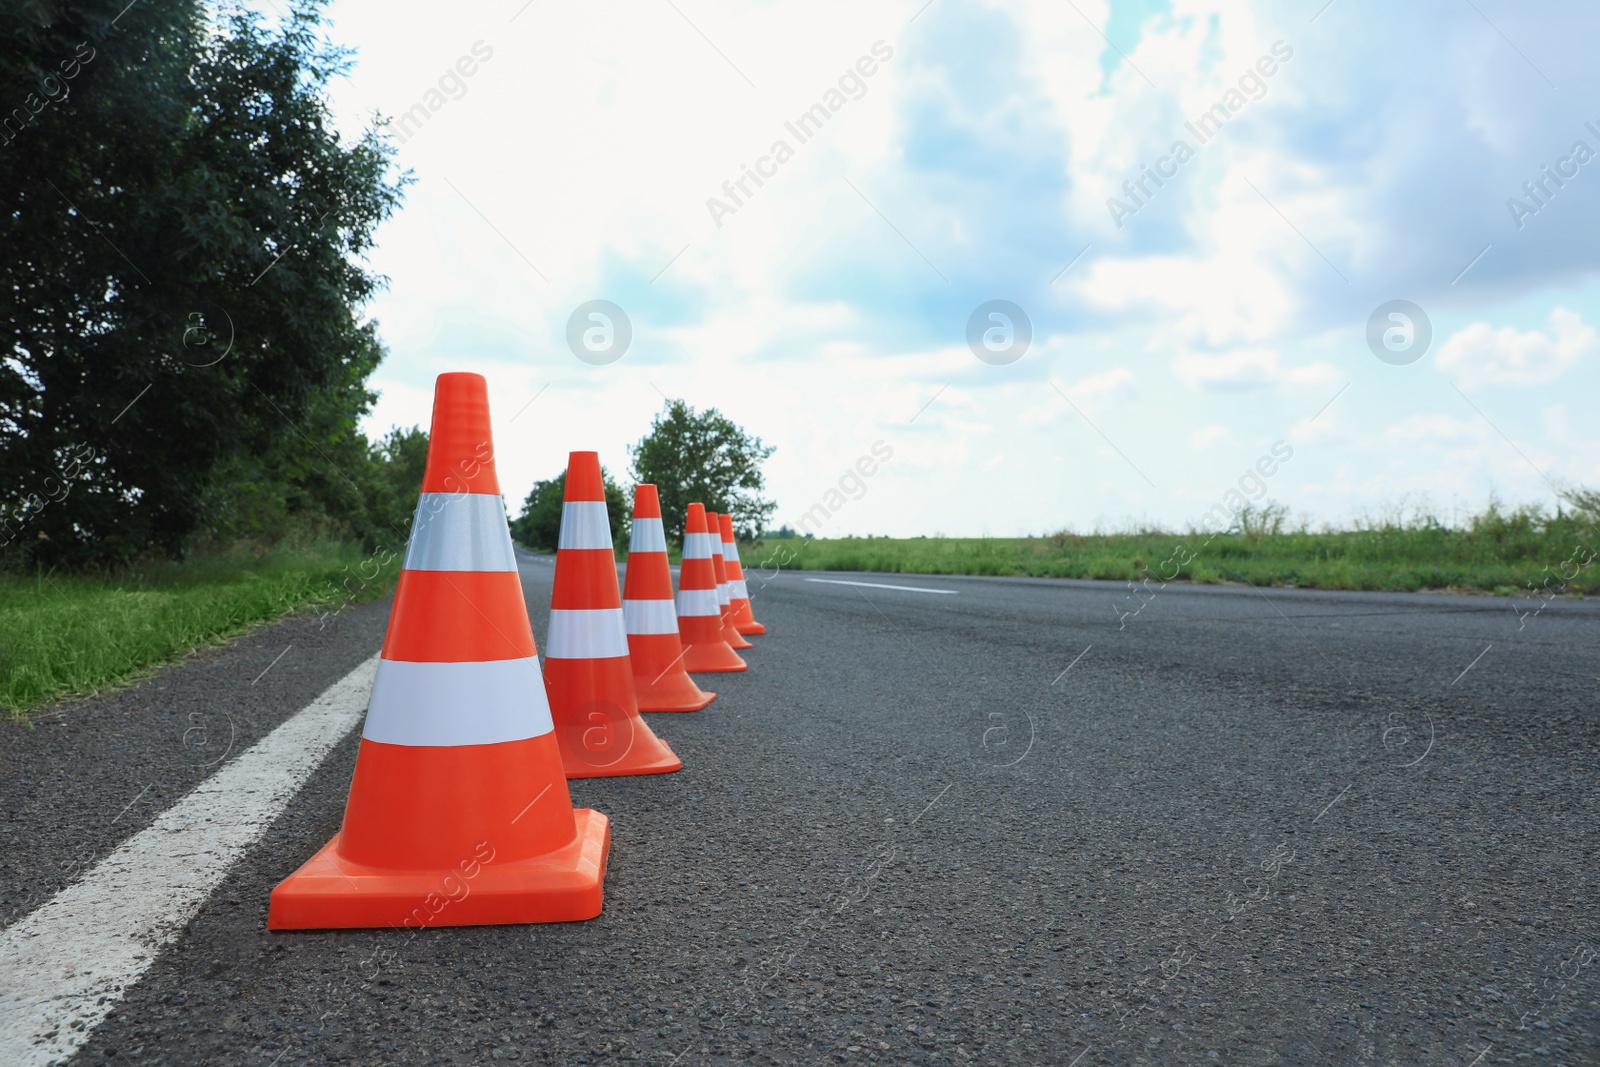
[[1519, 552], [77, 633], [184, 351]]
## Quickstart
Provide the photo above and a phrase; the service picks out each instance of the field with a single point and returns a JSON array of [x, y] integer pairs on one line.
[[1519, 553], [65, 634]]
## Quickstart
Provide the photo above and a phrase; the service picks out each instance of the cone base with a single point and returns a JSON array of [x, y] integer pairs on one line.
[[642, 751], [596, 715], [713, 658], [330, 892], [659, 679], [672, 694], [735, 642], [744, 619], [656, 758]]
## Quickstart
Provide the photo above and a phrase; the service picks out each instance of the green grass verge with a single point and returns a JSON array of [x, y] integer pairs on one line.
[[68, 634], [1505, 557]]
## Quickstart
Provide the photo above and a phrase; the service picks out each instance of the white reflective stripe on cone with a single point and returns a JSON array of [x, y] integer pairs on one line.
[[737, 590], [584, 525], [730, 551], [698, 602], [722, 593], [648, 536], [649, 617], [586, 633], [481, 702], [698, 545], [460, 532]]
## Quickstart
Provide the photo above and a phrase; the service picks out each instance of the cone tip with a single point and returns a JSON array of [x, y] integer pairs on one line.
[[646, 501], [460, 443], [584, 481]]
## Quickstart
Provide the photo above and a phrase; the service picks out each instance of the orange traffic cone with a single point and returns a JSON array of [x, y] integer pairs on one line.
[[724, 601], [653, 645], [738, 594], [458, 812], [699, 613], [586, 666]]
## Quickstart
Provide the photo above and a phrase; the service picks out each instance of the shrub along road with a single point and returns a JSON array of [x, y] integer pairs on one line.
[[1002, 824]]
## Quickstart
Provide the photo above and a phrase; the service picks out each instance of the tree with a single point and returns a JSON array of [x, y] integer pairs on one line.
[[180, 288], [350, 489], [539, 525], [705, 457], [395, 473]]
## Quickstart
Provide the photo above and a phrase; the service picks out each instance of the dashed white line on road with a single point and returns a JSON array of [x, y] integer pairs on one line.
[[65, 965], [877, 585]]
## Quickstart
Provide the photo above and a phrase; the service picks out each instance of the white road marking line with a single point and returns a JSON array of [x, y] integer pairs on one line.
[[65, 965], [876, 585]]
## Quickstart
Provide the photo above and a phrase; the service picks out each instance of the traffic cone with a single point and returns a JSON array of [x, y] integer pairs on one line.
[[586, 667], [699, 613], [653, 645], [458, 812], [724, 602], [738, 594]]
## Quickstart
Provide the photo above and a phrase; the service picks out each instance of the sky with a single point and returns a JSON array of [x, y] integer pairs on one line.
[[1317, 168]]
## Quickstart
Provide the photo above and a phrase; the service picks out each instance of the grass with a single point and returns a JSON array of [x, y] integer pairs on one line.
[[1506, 553], [62, 635]]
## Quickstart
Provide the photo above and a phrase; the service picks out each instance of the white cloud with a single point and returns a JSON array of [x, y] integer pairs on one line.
[[1210, 436], [1482, 355], [1231, 295], [1088, 392], [1434, 430], [1250, 368], [1319, 428]]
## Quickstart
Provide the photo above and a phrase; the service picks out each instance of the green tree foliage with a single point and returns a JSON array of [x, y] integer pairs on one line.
[[704, 456], [349, 489], [539, 525], [180, 348], [1585, 503]]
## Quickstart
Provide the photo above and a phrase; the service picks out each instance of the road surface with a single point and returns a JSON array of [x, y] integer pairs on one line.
[[1010, 821]]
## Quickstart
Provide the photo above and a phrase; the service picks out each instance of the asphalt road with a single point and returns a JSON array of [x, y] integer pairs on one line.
[[1016, 824]]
